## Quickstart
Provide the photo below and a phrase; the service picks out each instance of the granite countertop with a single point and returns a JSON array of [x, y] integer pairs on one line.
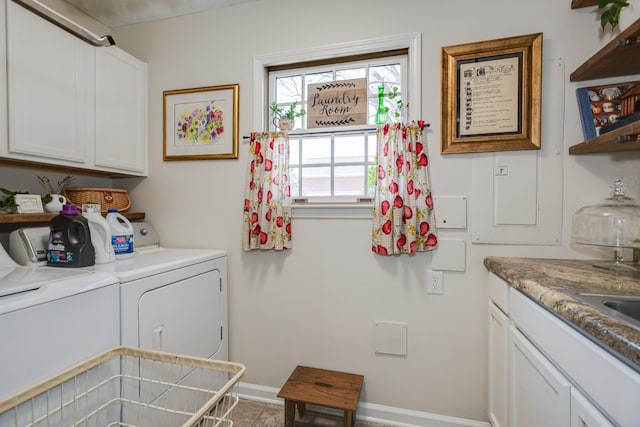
[[548, 280]]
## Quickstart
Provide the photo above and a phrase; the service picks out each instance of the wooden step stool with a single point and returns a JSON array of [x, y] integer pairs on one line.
[[332, 389]]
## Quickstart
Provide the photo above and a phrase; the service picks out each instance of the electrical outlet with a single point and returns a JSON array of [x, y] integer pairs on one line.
[[435, 282]]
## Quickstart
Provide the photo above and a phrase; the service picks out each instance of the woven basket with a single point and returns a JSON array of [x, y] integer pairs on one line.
[[107, 198]]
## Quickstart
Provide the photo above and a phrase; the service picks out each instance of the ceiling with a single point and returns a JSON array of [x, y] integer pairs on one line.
[[116, 13]]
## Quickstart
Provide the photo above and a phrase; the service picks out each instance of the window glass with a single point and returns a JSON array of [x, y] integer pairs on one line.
[[316, 181], [349, 149], [350, 180], [354, 73], [316, 151], [289, 89]]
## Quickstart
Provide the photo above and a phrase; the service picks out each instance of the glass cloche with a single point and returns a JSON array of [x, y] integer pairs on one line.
[[614, 222]]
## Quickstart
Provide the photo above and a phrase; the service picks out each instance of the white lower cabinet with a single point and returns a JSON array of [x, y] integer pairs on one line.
[[584, 414], [539, 394], [498, 367], [539, 368]]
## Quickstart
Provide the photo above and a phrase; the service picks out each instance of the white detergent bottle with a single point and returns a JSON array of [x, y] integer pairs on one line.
[[100, 233], [121, 234]]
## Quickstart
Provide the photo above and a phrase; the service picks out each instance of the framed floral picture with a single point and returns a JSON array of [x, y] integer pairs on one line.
[[201, 123]]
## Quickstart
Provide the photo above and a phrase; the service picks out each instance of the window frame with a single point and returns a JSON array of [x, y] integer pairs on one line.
[[261, 63]]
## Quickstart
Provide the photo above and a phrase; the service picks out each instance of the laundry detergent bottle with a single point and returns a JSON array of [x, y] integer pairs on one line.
[[100, 233], [70, 239], [121, 234]]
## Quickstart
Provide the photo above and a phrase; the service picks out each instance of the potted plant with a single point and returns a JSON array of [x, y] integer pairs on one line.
[[8, 204], [393, 95], [284, 117]]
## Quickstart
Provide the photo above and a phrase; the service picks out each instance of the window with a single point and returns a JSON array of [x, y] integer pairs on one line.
[[336, 166], [264, 93]]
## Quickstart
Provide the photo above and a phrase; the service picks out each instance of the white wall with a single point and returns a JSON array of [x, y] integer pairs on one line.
[[317, 303]]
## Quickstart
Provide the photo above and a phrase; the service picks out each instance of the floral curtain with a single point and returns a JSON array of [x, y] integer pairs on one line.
[[267, 201], [403, 215]]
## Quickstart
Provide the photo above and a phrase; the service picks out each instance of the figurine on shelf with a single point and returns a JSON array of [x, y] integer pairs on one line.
[[54, 199]]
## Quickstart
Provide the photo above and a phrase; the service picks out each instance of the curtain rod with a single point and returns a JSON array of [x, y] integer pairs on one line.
[[65, 23], [335, 131]]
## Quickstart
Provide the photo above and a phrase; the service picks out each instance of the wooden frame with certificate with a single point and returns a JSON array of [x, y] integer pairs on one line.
[[491, 95]]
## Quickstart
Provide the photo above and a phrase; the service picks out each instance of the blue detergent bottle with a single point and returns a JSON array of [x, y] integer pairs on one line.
[[121, 234]]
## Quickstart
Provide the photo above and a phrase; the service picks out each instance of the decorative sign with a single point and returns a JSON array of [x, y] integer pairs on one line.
[[338, 103]]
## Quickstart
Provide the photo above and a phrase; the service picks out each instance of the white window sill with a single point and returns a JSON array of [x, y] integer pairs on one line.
[[332, 210]]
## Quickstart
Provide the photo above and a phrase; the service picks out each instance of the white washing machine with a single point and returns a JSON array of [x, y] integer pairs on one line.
[[52, 318], [171, 299]]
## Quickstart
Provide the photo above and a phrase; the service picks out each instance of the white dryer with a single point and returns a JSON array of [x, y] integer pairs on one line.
[[50, 319], [171, 299]]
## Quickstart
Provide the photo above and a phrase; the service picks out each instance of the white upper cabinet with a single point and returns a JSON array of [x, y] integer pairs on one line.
[[50, 75], [70, 103], [121, 112]]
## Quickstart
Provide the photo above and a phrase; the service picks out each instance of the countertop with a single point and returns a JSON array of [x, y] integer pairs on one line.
[[547, 280]]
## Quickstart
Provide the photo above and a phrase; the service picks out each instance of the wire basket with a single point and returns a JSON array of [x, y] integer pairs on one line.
[[107, 198], [131, 387]]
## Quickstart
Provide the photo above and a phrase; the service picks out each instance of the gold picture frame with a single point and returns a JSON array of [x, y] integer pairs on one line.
[[491, 95], [201, 123]]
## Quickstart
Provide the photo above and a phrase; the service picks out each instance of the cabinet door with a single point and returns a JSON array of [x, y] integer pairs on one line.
[[121, 112], [540, 394], [498, 367], [50, 75], [584, 414]]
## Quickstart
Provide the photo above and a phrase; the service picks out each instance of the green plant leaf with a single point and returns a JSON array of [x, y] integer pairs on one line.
[[612, 14], [7, 192]]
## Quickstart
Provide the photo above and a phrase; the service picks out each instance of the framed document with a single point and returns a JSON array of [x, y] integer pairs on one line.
[[491, 93]]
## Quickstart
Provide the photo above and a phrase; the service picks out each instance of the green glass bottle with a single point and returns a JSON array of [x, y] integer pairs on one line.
[[381, 114]]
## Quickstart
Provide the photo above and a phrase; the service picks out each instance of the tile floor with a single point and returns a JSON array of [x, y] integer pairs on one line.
[[249, 413]]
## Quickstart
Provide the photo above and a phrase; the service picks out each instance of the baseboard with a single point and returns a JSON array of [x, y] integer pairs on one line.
[[366, 411]]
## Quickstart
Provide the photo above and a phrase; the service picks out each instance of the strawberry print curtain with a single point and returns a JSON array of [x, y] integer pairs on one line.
[[403, 215], [267, 202]]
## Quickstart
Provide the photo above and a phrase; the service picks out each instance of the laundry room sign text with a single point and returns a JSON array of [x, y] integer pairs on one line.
[[338, 103]]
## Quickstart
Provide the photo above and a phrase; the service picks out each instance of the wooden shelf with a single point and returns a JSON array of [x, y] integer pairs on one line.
[[578, 4], [607, 143], [40, 218], [620, 57]]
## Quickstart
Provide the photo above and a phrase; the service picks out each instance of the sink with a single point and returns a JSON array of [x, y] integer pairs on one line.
[[628, 307], [625, 308]]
